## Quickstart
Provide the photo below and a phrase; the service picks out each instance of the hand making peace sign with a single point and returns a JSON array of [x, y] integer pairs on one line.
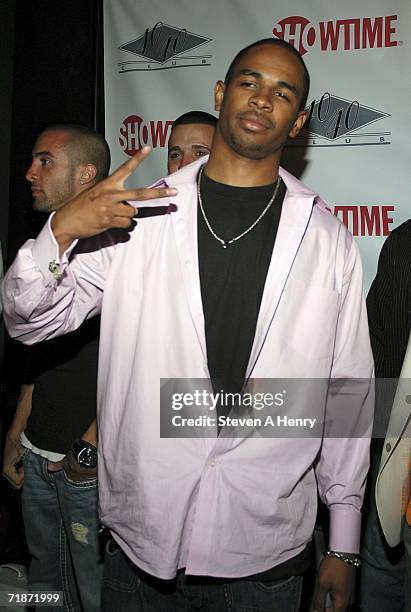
[[103, 206]]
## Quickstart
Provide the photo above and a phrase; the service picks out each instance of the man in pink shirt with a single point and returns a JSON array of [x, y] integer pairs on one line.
[[234, 273]]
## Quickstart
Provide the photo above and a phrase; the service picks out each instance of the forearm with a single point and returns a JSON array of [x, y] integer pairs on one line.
[[41, 302], [343, 463], [90, 435], [341, 474], [63, 238], [13, 450], [22, 413], [30, 291]]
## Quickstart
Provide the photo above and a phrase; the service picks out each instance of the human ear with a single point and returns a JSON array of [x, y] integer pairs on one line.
[[87, 174], [298, 124], [219, 91]]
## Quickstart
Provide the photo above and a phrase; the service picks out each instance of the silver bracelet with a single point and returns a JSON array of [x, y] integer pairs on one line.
[[353, 561]]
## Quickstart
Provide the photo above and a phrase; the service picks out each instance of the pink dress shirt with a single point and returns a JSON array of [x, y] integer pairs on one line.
[[226, 507]]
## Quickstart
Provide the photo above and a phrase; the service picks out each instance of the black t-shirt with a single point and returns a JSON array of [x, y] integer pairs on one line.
[[64, 373], [233, 278]]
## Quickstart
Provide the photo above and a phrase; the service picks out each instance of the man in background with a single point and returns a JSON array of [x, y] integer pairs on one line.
[[50, 450], [191, 137], [389, 314]]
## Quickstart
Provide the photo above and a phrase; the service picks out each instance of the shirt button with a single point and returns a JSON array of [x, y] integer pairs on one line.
[[181, 221], [213, 462], [388, 447], [187, 264], [408, 399]]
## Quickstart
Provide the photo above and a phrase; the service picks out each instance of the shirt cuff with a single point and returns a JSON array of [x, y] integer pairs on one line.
[[46, 252], [345, 529]]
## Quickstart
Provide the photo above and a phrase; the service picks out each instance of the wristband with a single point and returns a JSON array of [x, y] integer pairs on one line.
[[353, 561]]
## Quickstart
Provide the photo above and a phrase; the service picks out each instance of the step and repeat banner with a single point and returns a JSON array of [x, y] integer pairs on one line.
[[163, 59]]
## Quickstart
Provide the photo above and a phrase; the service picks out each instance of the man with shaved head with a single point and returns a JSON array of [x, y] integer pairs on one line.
[[63, 152], [50, 449]]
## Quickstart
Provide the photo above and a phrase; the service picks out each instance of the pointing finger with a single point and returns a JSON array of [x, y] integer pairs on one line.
[[133, 196]]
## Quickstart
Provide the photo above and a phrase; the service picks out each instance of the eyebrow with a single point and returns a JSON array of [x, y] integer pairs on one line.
[[259, 76], [41, 153], [193, 146]]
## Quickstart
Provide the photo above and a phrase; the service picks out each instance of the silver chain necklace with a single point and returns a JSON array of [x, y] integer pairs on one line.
[[224, 243]]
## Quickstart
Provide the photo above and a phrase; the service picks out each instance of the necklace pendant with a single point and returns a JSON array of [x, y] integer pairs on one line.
[[223, 243]]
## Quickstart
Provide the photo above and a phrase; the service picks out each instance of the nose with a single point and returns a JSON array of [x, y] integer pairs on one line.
[[262, 99], [31, 173], [185, 160]]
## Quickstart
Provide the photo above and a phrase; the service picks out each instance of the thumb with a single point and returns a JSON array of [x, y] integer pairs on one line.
[[319, 599], [55, 466]]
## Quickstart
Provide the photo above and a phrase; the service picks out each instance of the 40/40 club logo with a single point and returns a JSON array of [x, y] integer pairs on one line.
[[335, 121], [136, 133], [164, 46], [339, 34]]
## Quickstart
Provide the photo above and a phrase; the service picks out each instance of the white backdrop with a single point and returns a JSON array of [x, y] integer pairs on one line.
[[162, 58]]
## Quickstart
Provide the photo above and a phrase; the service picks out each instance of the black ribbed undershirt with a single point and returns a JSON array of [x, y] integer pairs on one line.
[[232, 279], [232, 283]]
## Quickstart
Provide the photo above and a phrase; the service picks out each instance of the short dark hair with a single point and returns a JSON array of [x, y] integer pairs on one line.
[[86, 146], [277, 42], [196, 116]]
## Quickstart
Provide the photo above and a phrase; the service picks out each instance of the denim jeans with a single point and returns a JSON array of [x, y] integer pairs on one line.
[[382, 574], [62, 532], [127, 589]]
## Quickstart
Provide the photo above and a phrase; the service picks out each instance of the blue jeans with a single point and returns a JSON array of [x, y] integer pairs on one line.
[[383, 568], [62, 532], [127, 589]]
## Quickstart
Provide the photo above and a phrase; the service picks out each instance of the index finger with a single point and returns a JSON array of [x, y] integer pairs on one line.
[[319, 599], [14, 483], [125, 170]]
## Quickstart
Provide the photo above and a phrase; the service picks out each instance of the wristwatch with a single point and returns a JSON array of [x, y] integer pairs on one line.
[[85, 454]]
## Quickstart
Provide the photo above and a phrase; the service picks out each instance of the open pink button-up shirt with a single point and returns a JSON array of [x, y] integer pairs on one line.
[[227, 507]]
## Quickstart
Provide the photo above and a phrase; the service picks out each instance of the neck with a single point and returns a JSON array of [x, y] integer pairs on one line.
[[228, 167]]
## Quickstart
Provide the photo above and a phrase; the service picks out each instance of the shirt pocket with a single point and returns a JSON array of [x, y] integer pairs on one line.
[[309, 318]]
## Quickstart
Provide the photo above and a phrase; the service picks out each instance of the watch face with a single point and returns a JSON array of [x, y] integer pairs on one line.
[[85, 454]]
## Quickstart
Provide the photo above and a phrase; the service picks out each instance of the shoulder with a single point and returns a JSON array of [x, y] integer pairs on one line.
[[400, 235], [322, 215], [300, 190], [397, 245], [402, 230]]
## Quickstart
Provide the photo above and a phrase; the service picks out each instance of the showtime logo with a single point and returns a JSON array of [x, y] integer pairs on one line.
[[341, 34], [364, 220], [136, 133]]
